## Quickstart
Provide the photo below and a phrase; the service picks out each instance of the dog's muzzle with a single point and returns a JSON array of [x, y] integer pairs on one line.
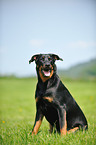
[[46, 70]]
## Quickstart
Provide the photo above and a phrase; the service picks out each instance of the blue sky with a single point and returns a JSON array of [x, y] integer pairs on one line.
[[63, 27]]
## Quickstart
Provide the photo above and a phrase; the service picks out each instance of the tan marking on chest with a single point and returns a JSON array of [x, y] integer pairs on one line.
[[49, 99]]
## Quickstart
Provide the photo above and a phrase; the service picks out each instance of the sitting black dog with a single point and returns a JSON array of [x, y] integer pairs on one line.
[[53, 100]]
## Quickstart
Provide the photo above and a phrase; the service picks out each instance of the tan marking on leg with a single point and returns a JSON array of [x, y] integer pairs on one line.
[[37, 99], [73, 130], [51, 128], [64, 129], [37, 126]]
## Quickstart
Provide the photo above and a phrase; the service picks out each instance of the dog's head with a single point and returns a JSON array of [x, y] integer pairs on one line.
[[45, 65]]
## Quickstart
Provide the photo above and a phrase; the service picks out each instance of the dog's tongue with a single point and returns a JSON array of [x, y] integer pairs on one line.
[[46, 73]]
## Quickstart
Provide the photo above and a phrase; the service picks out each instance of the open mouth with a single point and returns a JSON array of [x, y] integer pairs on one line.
[[46, 72]]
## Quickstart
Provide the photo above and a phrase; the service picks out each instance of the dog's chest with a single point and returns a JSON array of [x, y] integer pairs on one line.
[[45, 103], [48, 109]]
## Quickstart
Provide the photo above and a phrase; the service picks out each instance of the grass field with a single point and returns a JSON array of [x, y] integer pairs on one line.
[[17, 113]]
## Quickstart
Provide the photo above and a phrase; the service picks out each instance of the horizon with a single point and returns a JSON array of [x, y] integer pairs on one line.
[[58, 69]]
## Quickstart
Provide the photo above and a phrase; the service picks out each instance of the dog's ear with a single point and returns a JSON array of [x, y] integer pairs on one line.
[[34, 57], [56, 57]]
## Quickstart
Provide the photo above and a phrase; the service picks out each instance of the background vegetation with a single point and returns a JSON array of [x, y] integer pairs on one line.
[[83, 71]]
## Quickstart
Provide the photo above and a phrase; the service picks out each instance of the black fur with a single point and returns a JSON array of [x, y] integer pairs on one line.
[[59, 101]]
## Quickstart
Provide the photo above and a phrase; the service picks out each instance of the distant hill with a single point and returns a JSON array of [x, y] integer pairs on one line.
[[83, 70]]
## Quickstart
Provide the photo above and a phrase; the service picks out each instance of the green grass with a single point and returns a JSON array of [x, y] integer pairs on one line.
[[17, 113]]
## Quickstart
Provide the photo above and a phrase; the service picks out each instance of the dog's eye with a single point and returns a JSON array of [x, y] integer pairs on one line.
[[49, 58], [43, 58]]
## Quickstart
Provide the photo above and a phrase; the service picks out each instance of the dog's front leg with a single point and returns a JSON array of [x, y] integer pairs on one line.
[[51, 128], [38, 121], [62, 121]]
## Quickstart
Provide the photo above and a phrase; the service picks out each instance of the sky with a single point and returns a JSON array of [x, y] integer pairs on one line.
[[63, 27]]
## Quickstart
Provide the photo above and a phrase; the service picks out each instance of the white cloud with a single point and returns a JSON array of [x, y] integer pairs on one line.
[[37, 43], [81, 45]]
